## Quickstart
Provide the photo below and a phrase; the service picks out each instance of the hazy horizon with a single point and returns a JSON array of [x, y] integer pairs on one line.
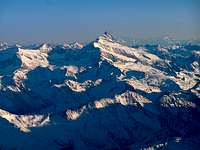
[[58, 21]]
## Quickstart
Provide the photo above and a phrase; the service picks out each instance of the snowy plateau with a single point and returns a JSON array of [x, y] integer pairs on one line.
[[103, 95]]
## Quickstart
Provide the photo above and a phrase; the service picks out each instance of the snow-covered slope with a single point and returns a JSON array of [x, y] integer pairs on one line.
[[103, 95]]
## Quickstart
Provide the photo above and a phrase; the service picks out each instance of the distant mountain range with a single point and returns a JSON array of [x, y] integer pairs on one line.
[[103, 95]]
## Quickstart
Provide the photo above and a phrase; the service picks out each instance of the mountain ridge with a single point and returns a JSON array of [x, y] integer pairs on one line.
[[103, 95]]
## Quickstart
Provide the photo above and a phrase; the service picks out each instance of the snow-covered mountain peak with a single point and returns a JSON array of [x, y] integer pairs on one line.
[[74, 45], [18, 46], [45, 47], [32, 58], [106, 36], [3, 45], [113, 51]]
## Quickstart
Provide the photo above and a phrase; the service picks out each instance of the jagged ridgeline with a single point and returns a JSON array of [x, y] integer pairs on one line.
[[103, 95]]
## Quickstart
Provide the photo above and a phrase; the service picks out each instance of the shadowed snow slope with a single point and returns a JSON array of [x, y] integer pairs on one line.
[[103, 95]]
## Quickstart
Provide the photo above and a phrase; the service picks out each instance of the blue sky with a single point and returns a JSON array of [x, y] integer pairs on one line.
[[30, 21]]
